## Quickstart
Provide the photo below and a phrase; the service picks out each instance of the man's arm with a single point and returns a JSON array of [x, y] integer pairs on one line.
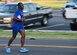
[[17, 19]]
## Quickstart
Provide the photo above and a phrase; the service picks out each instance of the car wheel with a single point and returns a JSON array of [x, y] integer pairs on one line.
[[73, 26], [44, 21]]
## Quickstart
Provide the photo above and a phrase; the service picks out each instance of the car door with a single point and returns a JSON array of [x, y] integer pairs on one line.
[[26, 14], [33, 13], [39, 11]]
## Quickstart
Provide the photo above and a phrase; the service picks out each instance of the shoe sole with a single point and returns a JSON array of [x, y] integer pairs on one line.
[[23, 51]]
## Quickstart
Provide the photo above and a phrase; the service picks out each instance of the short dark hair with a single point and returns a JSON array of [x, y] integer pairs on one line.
[[19, 3]]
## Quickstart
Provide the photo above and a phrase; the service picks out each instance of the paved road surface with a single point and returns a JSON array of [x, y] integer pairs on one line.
[[42, 47]]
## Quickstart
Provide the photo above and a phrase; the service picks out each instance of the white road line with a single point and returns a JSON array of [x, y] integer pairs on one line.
[[56, 15], [51, 26]]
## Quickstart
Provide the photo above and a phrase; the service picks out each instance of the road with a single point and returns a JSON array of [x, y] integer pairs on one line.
[[42, 47], [55, 23]]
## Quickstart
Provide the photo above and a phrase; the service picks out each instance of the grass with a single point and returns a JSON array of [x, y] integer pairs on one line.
[[51, 3], [38, 34], [54, 5]]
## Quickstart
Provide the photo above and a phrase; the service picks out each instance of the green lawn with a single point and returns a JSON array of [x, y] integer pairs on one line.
[[54, 5], [38, 34]]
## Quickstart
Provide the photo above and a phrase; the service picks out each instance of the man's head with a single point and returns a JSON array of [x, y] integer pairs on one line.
[[20, 6]]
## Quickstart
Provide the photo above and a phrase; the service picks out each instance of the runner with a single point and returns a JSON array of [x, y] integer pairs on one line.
[[17, 26]]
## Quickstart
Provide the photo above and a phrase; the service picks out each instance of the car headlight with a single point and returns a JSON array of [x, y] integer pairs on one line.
[[7, 20]]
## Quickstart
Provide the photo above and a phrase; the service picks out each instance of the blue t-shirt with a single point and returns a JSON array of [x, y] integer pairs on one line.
[[19, 12]]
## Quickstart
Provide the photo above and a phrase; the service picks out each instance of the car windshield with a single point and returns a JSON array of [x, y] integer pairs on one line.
[[8, 9], [1, 5]]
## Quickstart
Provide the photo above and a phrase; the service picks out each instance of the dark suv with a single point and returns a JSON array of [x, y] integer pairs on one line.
[[32, 13]]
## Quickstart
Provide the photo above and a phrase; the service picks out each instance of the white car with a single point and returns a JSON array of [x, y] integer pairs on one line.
[[70, 15], [70, 3]]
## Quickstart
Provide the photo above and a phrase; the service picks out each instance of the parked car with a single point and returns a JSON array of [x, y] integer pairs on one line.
[[32, 13]]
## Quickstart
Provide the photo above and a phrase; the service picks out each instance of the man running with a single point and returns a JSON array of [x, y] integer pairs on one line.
[[17, 26]]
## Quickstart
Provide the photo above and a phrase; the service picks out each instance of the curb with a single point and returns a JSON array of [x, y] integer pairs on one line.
[[48, 31]]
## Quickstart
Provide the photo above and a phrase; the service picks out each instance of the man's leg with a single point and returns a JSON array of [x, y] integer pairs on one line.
[[23, 49], [12, 38], [8, 50], [22, 32]]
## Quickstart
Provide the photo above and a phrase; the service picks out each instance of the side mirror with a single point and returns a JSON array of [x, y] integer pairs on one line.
[[38, 8]]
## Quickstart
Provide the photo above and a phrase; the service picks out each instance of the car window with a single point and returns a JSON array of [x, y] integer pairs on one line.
[[32, 7], [26, 8], [9, 8], [36, 5]]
